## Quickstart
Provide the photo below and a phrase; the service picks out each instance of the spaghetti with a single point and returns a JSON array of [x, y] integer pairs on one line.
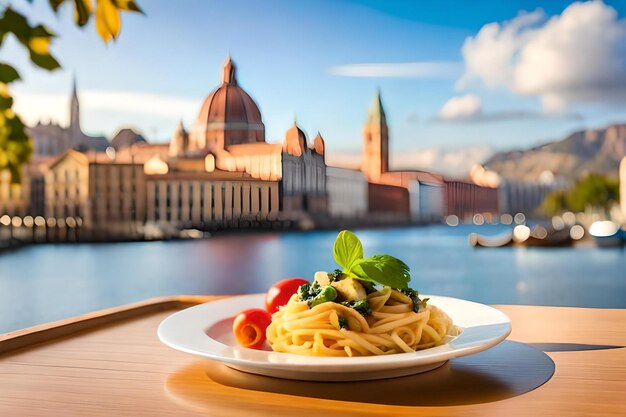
[[334, 329]]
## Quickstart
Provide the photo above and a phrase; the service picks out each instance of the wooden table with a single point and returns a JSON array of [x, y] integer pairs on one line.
[[557, 361]]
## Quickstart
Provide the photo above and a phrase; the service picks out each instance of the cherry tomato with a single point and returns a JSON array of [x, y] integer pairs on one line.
[[249, 327], [281, 292]]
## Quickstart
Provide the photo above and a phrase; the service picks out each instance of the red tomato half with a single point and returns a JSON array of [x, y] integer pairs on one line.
[[249, 327], [281, 292]]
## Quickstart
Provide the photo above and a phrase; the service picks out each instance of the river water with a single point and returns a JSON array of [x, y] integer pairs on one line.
[[42, 283]]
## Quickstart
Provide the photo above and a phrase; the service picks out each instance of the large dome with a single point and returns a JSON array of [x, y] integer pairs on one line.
[[228, 116]]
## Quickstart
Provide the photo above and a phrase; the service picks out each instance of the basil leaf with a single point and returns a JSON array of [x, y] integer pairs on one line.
[[347, 249], [383, 269]]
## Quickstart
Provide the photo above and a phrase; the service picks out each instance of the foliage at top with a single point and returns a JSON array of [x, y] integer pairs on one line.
[[15, 145]]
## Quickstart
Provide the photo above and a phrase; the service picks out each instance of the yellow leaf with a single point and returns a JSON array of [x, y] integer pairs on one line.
[[128, 5], [39, 45], [108, 21]]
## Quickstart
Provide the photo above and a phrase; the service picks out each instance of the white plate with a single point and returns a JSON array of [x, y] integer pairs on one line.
[[206, 330]]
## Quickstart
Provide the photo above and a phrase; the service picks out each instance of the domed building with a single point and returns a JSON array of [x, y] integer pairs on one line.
[[228, 116], [223, 172]]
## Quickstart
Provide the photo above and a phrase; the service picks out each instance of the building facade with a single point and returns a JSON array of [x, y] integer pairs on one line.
[[51, 139], [304, 173], [229, 131], [347, 193], [107, 197], [426, 201], [14, 198], [210, 200], [425, 195]]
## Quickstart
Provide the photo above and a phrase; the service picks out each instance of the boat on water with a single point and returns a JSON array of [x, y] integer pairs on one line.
[[498, 241], [523, 235], [606, 233], [540, 236]]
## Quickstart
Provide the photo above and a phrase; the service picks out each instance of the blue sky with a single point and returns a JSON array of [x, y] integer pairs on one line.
[[289, 54]]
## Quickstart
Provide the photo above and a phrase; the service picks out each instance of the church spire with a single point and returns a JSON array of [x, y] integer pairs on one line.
[[228, 72], [74, 108], [376, 113], [375, 141]]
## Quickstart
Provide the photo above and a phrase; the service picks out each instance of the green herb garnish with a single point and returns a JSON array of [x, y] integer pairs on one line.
[[328, 293], [315, 294], [335, 275], [381, 269], [414, 296], [362, 306], [308, 292]]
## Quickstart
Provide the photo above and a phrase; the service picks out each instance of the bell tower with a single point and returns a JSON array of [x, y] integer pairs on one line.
[[375, 141]]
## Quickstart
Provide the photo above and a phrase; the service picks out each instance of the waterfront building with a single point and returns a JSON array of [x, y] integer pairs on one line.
[[347, 193], [465, 199], [14, 197], [125, 138], [66, 186], [426, 200], [209, 200], [107, 195], [51, 139], [229, 135], [187, 190], [117, 197], [518, 196], [304, 173], [140, 152], [426, 195], [220, 174], [388, 201]]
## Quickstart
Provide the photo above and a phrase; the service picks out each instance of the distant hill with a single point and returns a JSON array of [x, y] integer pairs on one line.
[[581, 152]]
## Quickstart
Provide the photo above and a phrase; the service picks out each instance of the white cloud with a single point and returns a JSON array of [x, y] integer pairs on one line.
[[578, 56], [455, 162], [128, 105], [400, 70], [489, 56], [152, 104], [468, 108], [461, 108], [451, 162]]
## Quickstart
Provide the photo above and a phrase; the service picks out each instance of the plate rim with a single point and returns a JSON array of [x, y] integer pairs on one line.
[[261, 360]]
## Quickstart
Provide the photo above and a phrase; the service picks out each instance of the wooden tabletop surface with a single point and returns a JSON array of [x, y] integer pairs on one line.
[[556, 362]]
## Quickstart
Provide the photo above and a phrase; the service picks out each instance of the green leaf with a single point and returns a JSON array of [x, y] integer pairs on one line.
[[383, 269], [82, 11], [8, 74], [6, 101], [15, 23], [55, 4], [347, 250], [44, 61], [40, 31]]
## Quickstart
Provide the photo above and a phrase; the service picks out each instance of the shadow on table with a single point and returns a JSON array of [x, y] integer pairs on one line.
[[505, 371], [570, 347]]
